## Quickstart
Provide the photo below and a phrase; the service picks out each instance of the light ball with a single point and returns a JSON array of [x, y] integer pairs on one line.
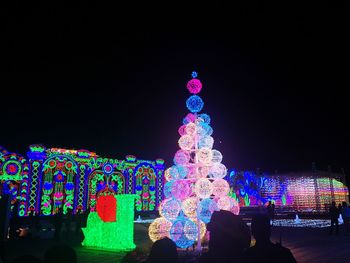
[[191, 129], [190, 117], [181, 189], [217, 156], [189, 207], [181, 157], [170, 208], [203, 188], [159, 229], [203, 172], [177, 172], [167, 175], [205, 117], [220, 187], [194, 86], [225, 203], [235, 208], [178, 235], [217, 170], [186, 142], [204, 155], [206, 142], [181, 130], [194, 104], [167, 189], [206, 208]]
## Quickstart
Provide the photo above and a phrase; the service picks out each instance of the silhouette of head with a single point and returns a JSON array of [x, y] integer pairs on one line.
[[333, 203], [59, 254], [261, 228], [227, 233], [163, 250], [26, 259]]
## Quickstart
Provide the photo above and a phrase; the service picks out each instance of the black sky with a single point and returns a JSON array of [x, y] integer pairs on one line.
[[275, 83]]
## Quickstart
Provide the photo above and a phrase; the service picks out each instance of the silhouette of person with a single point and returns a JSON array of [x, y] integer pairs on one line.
[[346, 217], [264, 250], [14, 221], [334, 215], [229, 237], [163, 250], [26, 259], [59, 254], [58, 217], [270, 210]]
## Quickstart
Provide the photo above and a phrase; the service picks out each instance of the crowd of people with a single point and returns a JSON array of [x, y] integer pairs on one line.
[[230, 240]]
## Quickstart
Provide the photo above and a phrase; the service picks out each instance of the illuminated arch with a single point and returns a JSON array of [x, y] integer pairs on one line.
[[145, 185], [58, 184]]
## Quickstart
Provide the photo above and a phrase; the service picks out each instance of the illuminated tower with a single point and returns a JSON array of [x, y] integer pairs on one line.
[[195, 187]]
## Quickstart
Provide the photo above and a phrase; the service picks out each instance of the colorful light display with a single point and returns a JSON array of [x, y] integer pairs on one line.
[[55, 178], [194, 183], [307, 191], [115, 235]]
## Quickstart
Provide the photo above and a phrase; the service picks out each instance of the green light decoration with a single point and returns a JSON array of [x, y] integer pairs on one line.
[[116, 236], [284, 200]]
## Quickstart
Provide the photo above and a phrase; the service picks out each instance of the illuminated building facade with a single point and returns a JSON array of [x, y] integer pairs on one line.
[[311, 191], [72, 180]]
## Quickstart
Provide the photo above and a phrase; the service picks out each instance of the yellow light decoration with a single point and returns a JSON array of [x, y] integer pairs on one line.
[[220, 187], [191, 129], [189, 207], [204, 155], [167, 175], [218, 170], [203, 188], [159, 228], [217, 156], [186, 142]]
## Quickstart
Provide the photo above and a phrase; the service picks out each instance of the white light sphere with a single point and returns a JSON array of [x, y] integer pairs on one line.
[[235, 208], [217, 170], [190, 129], [186, 142], [159, 229], [206, 142], [220, 187], [169, 208], [204, 155], [217, 156], [203, 188], [181, 157], [189, 207], [225, 203], [167, 175], [203, 172]]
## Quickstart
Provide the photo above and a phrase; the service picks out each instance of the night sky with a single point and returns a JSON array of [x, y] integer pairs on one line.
[[274, 84]]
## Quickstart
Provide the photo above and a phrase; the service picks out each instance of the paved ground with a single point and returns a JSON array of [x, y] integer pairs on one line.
[[307, 245]]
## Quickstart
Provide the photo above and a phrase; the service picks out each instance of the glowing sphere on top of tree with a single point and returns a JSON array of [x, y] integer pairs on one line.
[[194, 86], [194, 104]]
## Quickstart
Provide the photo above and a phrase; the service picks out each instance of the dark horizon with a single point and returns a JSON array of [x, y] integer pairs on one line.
[[275, 91]]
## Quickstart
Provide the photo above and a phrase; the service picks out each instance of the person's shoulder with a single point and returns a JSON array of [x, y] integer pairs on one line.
[[284, 253]]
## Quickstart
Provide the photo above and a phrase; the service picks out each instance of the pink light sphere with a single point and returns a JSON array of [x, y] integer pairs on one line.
[[194, 86]]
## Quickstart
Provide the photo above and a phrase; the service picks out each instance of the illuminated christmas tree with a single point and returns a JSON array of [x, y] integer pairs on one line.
[[195, 187]]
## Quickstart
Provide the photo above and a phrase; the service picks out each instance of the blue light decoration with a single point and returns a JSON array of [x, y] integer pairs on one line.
[[194, 74], [183, 232], [194, 104]]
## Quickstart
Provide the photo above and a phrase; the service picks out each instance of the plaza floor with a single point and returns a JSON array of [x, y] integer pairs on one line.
[[307, 245]]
